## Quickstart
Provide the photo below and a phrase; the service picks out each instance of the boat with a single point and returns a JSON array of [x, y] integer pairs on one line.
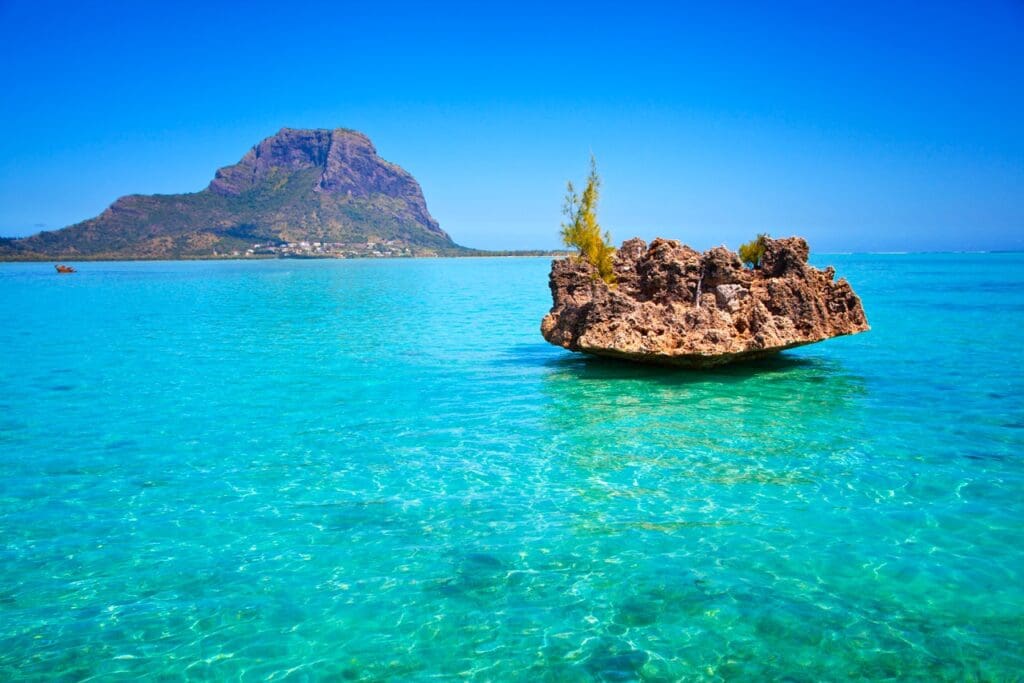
[[64, 269]]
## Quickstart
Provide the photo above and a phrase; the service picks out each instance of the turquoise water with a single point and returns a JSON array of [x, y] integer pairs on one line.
[[363, 470]]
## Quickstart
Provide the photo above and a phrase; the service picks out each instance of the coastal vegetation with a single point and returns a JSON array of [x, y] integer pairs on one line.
[[752, 252], [582, 230], [298, 193]]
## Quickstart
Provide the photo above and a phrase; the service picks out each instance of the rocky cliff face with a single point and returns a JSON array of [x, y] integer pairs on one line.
[[326, 186], [674, 305], [346, 161]]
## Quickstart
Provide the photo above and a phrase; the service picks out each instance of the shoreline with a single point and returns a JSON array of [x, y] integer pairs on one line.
[[525, 253], [110, 259]]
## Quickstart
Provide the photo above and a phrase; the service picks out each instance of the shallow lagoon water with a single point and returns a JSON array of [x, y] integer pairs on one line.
[[362, 470]]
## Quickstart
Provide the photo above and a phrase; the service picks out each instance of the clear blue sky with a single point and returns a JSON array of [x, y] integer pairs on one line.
[[889, 126]]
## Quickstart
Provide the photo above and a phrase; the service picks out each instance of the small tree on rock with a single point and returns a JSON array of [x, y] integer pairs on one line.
[[752, 252], [582, 230]]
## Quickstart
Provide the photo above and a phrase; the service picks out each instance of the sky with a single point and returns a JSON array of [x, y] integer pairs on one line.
[[861, 126]]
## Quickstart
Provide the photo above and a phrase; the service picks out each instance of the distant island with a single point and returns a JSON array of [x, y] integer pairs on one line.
[[298, 194]]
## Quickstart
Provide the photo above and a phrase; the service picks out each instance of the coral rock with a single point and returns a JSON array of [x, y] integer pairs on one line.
[[673, 305]]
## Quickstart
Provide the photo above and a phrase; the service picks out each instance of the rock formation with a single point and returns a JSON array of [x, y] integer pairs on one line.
[[324, 186], [347, 163], [673, 305]]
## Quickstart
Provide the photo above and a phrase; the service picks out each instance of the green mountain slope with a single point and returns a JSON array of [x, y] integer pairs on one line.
[[313, 186]]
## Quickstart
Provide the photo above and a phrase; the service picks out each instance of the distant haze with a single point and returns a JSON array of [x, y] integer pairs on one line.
[[871, 127]]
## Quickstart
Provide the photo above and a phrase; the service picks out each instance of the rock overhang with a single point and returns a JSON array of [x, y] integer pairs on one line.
[[673, 305]]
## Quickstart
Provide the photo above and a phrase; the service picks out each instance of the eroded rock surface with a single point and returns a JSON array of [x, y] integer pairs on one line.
[[673, 305]]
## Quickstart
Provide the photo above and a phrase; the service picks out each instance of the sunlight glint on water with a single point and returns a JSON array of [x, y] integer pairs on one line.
[[379, 469]]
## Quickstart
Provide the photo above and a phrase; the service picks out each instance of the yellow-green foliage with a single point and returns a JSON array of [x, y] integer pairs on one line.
[[582, 230], [752, 252]]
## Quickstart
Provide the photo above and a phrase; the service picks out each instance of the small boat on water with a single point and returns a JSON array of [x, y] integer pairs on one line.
[[64, 269]]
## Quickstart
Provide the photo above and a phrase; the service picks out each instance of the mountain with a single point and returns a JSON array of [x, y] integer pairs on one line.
[[298, 187]]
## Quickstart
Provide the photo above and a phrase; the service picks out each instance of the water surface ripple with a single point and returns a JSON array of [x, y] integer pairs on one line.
[[363, 470]]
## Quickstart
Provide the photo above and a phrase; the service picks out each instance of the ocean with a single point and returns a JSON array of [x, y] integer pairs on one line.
[[378, 469]]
